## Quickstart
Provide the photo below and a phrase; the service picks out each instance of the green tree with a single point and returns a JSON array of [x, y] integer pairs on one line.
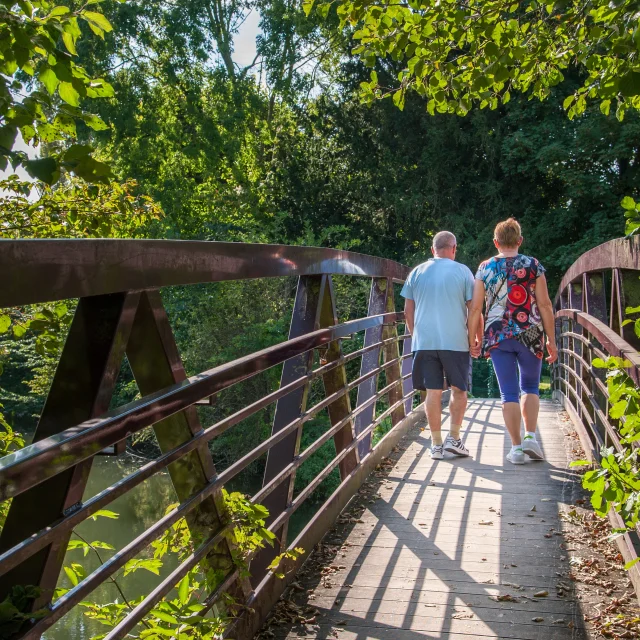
[[41, 87], [457, 55]]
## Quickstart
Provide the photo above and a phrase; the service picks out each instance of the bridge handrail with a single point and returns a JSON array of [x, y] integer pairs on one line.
[[63, 269], [590, 309], [121, 312]]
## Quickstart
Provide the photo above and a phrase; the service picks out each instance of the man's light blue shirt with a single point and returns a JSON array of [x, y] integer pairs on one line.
[[440, 289]]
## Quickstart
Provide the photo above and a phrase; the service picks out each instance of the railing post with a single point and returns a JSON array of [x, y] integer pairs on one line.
[[370, 360], [407, 366], [391, 352], [305, 319], [81, 389]]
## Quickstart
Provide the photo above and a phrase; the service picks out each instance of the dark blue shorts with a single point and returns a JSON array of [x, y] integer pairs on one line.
[[431, 367]]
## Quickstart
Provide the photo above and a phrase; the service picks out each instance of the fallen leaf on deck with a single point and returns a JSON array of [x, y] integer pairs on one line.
[[541, 594]]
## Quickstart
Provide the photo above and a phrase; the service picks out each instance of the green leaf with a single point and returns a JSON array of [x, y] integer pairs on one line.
[[49, 79], [69, 94], [45, 169], [59, 11], [183, 590], [580, 463], [631, 563], [628, 203], [105, 513], [164, 616], [568, 101], [97, 19], [8, 135], [69, 42], [71, 574], [5, 323]]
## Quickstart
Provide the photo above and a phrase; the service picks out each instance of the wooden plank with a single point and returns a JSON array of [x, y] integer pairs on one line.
[[419, 563]]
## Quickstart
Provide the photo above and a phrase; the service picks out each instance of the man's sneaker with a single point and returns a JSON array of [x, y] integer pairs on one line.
[[516, 456], [531, 447], [455, 446], [436, 452]]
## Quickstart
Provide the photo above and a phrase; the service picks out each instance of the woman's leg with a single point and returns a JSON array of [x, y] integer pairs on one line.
[[506, 367], [530, 368]]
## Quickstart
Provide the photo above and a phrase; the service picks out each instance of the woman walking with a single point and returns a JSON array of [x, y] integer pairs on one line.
[[519, 313]]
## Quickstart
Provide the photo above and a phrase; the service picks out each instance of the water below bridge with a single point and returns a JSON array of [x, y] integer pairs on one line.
[[435, 556]]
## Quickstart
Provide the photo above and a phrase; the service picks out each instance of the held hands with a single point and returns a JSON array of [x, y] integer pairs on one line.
[[552, 350], [475, 348]]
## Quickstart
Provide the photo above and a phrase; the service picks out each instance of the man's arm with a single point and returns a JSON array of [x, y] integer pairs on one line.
[[409, 313], [545, 307], [475, 323]]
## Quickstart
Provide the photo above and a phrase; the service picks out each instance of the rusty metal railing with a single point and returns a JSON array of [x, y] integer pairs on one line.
[[120, 313], [590, 306]]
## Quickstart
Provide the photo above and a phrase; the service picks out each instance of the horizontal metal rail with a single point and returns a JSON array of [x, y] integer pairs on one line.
[[34, 464], [63, 605]]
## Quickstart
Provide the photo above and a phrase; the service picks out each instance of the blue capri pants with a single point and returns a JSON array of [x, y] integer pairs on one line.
[[509, 357]]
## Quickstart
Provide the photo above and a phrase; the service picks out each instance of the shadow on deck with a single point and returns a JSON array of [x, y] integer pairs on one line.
[[429, 558]]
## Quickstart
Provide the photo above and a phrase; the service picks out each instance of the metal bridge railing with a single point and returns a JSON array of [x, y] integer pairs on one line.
[[590, 311], [120, 313]]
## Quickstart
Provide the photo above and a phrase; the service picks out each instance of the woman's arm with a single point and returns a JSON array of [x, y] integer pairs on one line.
[[545, 306], [474, 319]]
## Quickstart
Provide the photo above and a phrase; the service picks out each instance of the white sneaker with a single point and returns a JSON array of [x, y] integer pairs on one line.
[[531, 447], [455, 446], [516, 456], [436, 452]]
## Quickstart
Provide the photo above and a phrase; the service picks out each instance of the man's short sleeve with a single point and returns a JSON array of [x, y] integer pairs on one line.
[[468, 284], [481, 271], [539, 269], [407, 289]]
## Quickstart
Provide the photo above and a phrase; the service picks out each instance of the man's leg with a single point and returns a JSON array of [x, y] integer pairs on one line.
[[427, 374], [433, 408], [457, 407], [456, 367]]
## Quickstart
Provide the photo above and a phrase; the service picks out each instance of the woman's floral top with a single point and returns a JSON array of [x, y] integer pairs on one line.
[[512, 312]]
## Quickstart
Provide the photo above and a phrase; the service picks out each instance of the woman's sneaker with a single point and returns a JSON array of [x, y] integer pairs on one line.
[[531, 447], [455, 446], [437, 452], [516, 455]]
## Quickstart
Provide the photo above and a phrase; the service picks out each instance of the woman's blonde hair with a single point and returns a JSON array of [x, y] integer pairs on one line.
[[508, 233]]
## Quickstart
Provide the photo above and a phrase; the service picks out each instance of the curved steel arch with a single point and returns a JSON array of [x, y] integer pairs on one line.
[[622, 253], [47, 270]]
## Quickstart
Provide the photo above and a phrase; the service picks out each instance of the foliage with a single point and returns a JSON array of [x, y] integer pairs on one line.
[[632, 215], [615, 483], [480, 52], [41, 86], [185, 612], [74, 209]]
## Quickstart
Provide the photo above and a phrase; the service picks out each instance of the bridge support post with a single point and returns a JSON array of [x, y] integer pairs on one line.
[[307, 316], [156, 364], [378, 301], [391, 352], [81, 389]]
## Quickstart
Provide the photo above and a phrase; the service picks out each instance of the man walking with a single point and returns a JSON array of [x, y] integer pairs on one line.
[[437, 296]]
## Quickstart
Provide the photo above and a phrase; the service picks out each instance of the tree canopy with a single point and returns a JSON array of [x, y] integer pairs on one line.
[[479, 52]]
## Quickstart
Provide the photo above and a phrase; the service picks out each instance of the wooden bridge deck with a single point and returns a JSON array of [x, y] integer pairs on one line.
[[430, 558]]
